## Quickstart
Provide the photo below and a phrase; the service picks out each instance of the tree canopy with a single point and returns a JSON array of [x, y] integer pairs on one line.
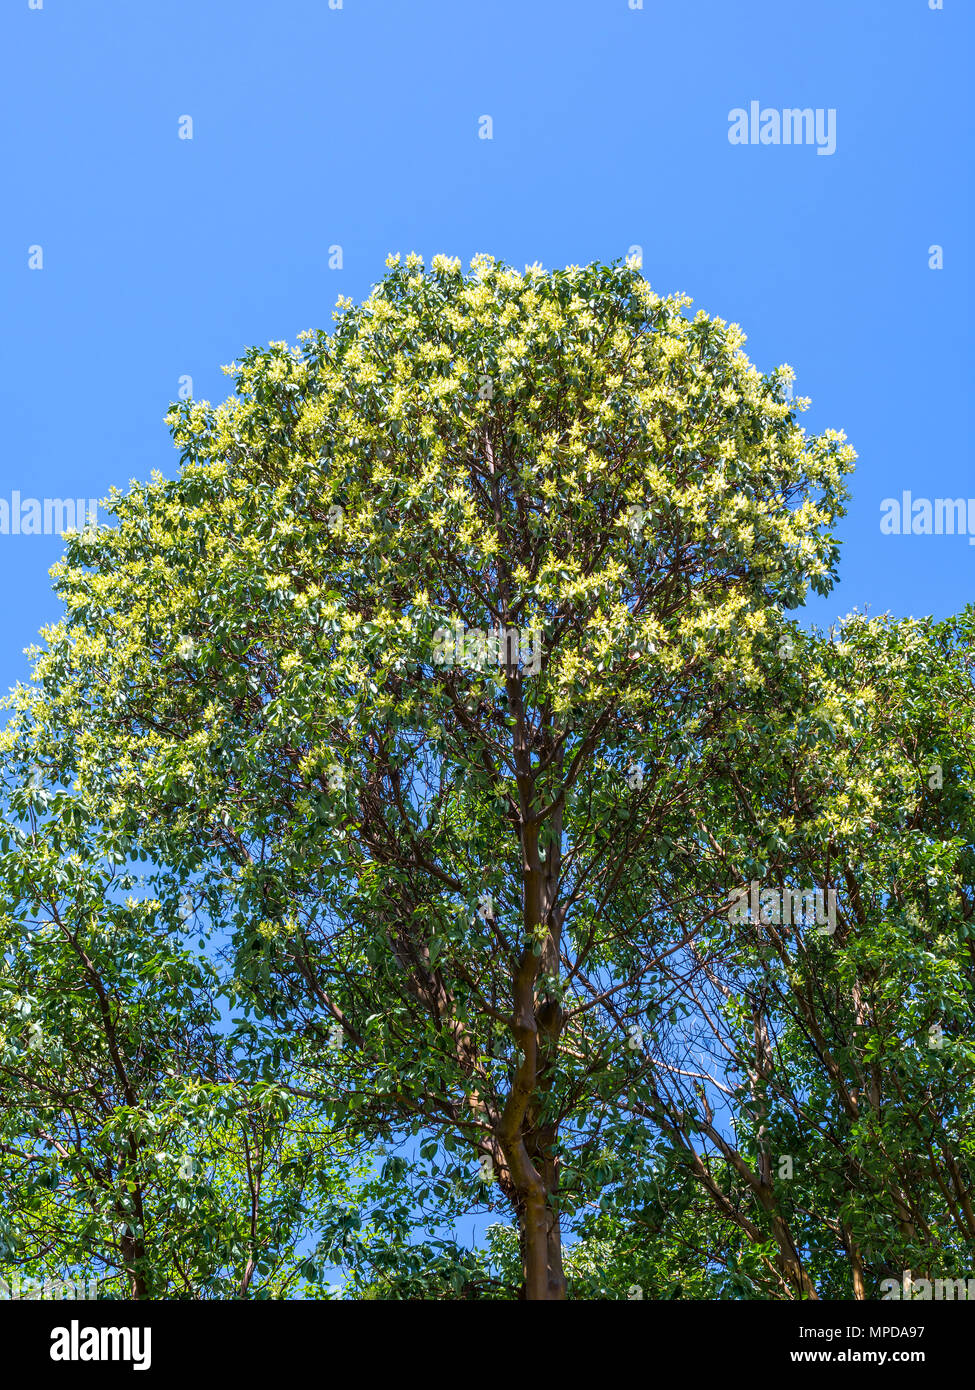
[[453, 684]]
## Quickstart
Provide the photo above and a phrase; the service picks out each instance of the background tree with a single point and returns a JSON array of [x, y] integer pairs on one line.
[[138, 1154], [819, 1087]]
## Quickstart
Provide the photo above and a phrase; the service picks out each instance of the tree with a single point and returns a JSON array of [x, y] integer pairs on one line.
[[138, 1154], [422, 662], [822, 1087]]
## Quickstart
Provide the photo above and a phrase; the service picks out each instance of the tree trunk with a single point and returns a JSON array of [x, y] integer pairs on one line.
[[134, 1255], [541, 1253]]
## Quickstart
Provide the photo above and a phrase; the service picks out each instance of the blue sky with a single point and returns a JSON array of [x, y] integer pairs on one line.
[[358, 127]]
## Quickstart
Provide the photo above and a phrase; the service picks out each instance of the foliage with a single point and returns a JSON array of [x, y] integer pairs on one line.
[[452, 679]]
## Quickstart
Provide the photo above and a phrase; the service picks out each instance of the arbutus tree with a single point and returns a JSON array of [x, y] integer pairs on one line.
[[420, 663]]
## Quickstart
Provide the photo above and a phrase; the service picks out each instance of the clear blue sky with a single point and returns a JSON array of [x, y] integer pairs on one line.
[[358, 127]]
